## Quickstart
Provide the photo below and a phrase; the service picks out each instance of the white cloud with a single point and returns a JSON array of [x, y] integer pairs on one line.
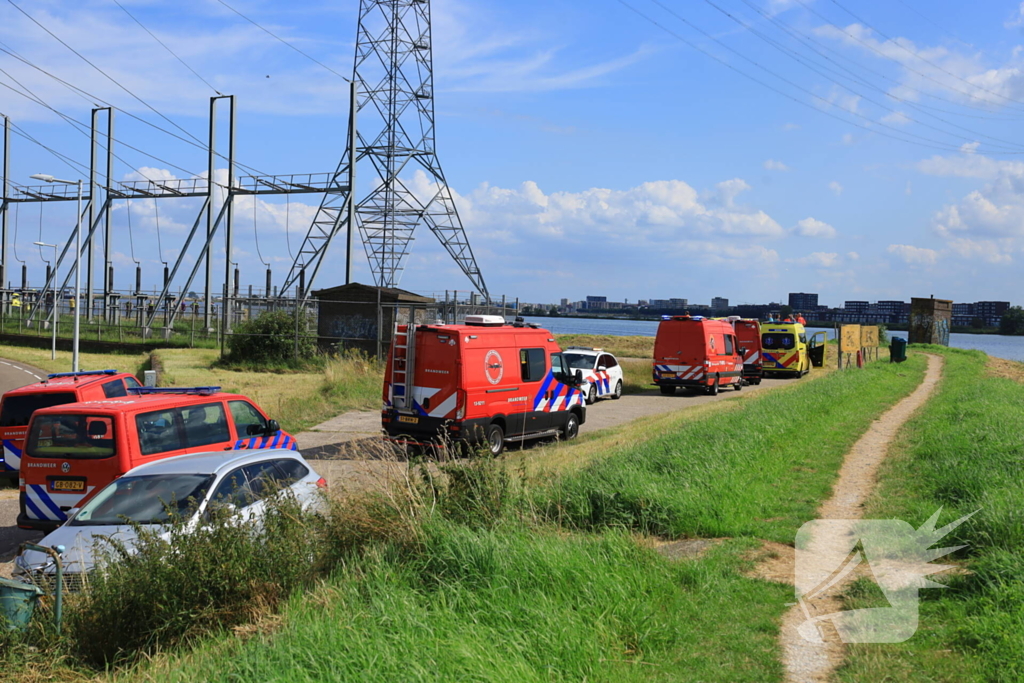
[[1016, 19], [773, 165], [847, 139], [912, 255], [812, 227], [896, 118], [852, 255], [818, 259], [836, 187]]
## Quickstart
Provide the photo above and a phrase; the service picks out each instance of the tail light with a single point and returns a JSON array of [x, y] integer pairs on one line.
[[321, 483], [460, 412]]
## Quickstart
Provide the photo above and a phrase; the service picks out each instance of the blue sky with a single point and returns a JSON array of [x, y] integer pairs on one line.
[[612, 148]]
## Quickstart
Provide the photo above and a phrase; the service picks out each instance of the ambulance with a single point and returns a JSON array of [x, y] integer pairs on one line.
[[784, 349], [748, 336], [696, 353], [17, 405], [482, 382]]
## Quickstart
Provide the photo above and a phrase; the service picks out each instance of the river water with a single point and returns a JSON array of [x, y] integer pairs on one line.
[[1011, 348]]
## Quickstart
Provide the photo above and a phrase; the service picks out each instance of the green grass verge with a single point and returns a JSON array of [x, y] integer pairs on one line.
[[963, 451], [758, 471]]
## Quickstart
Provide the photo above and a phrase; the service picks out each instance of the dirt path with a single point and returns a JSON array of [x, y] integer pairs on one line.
[[807, 662]]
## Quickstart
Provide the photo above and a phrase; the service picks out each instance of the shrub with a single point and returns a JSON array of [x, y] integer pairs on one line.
[[270, 338]]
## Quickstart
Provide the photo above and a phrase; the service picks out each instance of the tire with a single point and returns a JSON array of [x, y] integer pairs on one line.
[[617, 394], [592, 395], [667, 391], [572, 427], [495, 440], [738, 385], [713, 389]]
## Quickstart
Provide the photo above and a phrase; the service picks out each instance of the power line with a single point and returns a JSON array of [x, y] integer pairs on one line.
[[68, 161], [932, 144], [276, 37], [798, 58], [893, 59], [164, 45], [105, 74]]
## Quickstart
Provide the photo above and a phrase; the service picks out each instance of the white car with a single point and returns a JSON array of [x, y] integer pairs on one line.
[[150, 493], [602, 374]]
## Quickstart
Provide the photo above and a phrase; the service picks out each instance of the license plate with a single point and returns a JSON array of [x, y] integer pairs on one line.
[[67, 485], [406, 418]]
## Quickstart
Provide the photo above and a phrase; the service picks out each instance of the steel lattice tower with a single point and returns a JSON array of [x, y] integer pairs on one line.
[[394, 69]]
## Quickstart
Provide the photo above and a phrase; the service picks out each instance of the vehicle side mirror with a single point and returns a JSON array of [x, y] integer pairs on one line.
[[273, 427], [578, 377], [743, 352]]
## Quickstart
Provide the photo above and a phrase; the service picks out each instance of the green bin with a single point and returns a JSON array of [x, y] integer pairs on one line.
[[17, 602], [897, 350]]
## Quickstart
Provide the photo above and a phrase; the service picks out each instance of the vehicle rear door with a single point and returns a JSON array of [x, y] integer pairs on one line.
[[15, 413], [816, 346]]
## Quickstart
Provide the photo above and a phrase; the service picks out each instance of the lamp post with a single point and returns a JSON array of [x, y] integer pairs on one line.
[[56, 310], [78, 260]]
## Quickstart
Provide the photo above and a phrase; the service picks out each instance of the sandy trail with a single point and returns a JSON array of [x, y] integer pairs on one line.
[[807, 662]]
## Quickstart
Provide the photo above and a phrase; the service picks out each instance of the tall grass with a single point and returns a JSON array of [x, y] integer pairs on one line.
[[964, 451], [758, 471]]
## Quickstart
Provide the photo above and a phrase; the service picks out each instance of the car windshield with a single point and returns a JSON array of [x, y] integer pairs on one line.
[[777, 341], [579, 361], [149, 499]]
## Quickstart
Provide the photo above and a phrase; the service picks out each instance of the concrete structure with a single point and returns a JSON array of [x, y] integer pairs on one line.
[[930, 320], [801, 301]]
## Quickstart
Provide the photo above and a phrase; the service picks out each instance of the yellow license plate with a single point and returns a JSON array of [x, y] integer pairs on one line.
[[406, 418], [68, 485]]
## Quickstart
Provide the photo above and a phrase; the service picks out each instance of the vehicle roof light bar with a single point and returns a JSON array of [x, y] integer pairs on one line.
[[83, 373], [198, 391]]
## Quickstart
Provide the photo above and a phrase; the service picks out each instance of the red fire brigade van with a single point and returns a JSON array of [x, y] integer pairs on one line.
[[748, 336], [482, 382], [696, 353], [76, 449], [17, 405]]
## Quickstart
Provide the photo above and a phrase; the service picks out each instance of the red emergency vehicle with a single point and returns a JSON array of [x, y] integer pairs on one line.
[[74, 450], [696, 353], [481, 382], [17, 405], [748, 336]]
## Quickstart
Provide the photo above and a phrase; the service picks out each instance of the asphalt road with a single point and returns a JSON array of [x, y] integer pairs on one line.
[[12, 376]]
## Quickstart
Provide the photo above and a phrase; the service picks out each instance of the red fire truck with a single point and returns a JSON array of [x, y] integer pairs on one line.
[[696, 353], [748, 336], [481, 382]]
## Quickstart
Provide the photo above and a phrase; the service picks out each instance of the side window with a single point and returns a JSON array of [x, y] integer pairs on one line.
[[205, 424], [533, 364], [264, 478], [245, 416], [610, 362], [159, 432], [728, 344], [114, 389], [803, 338], [291, 470], [233, 490], [131, 383]]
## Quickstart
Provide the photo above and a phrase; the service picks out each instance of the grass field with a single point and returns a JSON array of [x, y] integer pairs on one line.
[[621, 347], [964, 452], [298, 400]]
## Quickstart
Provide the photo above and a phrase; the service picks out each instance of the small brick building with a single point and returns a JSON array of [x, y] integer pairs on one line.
[[351, 319]]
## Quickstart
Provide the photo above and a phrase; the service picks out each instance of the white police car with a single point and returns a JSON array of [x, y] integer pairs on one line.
[[602, 374]]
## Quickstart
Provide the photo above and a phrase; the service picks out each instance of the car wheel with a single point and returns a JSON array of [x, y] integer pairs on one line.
[[618, 390], [572, 427], [737, 385], [667, 391], [713, 389], [592, 395], [495, 439]]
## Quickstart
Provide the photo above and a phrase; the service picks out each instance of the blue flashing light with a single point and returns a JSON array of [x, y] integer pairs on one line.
[[198, 391], [83, 373], [666, 317]]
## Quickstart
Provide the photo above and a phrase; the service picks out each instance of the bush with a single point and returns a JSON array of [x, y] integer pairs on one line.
[[270, 338]]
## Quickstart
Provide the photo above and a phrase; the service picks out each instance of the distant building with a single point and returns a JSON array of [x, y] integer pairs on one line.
[[800, 301], [719, 303], [597, 299], [856, 306], [990, 313], [669, 304]]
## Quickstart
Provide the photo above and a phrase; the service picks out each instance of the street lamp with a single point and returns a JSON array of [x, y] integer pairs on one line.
[[56, 310], [78, 260]]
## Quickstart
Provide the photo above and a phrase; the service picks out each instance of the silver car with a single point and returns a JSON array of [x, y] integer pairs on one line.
[[151, 494]]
